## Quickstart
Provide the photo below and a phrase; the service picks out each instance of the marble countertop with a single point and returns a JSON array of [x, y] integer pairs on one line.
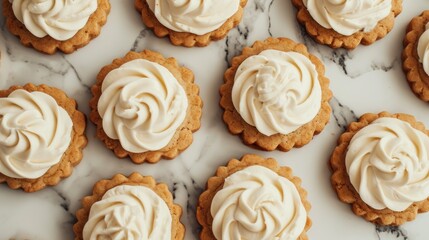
[[367, 79]]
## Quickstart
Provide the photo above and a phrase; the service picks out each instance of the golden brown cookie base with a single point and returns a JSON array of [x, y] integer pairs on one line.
[[184, 38], [336, 40], [71, 157], [49, 45], [249, 134], [215, 184], [183, 136], [345, 190], [135, 179], [413, 69]]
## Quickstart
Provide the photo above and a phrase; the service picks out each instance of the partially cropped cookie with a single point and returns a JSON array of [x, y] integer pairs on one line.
[[275, 95], [146, 107], [41, 136], [191, 23], [381, 167], [253, 198], [415, 57], [348, 23], [52, 25], [134, 207]]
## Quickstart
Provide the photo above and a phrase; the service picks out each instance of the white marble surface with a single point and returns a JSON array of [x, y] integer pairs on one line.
[[367, 79]]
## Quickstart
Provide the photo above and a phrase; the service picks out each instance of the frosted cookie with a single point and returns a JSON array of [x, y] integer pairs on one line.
[[146, 107], [51, 25], [134, 207], [415, 56], [380, 167], [41, 136], [191, 23], [348, 23], [275, 95], [253, 198]]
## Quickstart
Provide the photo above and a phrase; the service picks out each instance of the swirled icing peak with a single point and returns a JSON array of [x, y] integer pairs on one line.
[[257, 203], [129, 213], [388, 164], [348, 16], [60, 19], [34, 134], [423, 49], [277, 92], [142, 104], [195, 16]]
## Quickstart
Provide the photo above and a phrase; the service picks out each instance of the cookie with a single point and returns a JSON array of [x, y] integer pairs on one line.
[[136, 201], [278, 204], [380, 168], [414, 55], [210, 21], [282, 101], [56, 33], [42, 117], [149, 108], [347, 29]]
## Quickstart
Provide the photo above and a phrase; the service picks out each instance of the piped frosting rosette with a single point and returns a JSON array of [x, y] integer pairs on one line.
[[276, 91], [34, 134], [142, 104], [388, 164], [348, 16], [60, 19], [257, 203], [194, 16], [129, 212]]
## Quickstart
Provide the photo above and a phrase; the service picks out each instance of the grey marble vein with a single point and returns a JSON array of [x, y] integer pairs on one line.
[[340, 57], [235, 42], [391, 233], [374, 66], [269, 18], [76, 73], [138, 41], [65, 205], [259, 5], [304, 38], [238, 37], [343, 115], [190, 190], [383, 67]]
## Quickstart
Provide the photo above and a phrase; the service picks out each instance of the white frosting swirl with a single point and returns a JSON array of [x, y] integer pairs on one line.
[[388, 164], [142, 104], [423, 49], [34, 134], [129, 213], [257, 203], [60, 19], [277, 92], [348, 16], [195, 16]]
